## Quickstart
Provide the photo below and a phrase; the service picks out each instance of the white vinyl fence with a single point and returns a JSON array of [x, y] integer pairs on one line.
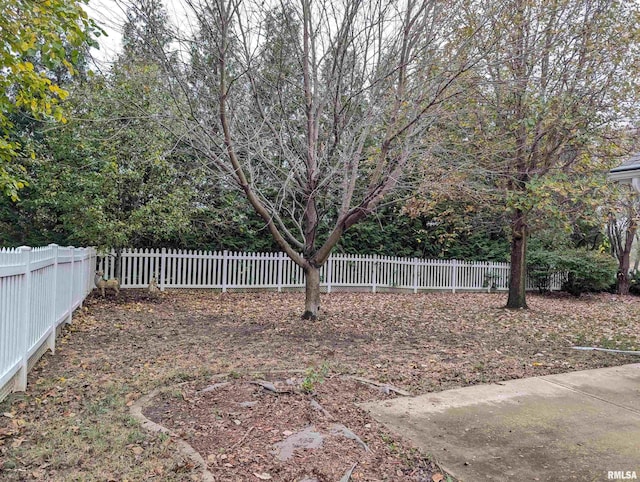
[[226, 270], [39, 289]]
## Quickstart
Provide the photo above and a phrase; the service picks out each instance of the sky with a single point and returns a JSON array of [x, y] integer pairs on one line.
[[109, 14]]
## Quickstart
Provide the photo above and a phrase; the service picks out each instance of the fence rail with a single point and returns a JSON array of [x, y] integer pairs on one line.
[[39, 290], [226, 270]]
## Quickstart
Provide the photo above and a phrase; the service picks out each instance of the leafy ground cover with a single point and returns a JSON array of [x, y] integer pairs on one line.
[[74, 423]]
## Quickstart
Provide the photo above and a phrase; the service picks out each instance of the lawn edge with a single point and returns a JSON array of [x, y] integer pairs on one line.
[[183, 446]]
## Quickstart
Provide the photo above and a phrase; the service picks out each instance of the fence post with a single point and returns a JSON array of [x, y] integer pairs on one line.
[[415, 275], [83, 270], [110, 265], [71, 281], [280, 261], [329, 272], [375, 273], [454, 275], [225, 257], [91, 269], [51, 339], [21, 382], [163, 267]]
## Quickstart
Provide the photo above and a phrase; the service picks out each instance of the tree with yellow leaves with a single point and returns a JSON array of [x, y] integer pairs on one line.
[[36, 38]]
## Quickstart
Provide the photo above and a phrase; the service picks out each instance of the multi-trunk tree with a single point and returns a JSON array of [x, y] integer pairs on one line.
[[622, 229], [316, 110]]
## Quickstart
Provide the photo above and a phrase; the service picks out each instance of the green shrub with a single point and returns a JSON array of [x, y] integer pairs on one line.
[[542, 264], [586, 271], [634, 282], [589, 271]]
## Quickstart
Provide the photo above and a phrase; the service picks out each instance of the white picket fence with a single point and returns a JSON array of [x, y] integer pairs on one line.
[[39, 289], [226, 270]]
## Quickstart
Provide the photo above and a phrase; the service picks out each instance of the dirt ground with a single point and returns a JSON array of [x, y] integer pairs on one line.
[[73, 423]]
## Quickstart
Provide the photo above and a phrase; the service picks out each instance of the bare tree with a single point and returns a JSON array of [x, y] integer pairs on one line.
[[316, 109]]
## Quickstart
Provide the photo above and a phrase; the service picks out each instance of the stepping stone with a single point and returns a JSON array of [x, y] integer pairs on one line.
[[305, 439]]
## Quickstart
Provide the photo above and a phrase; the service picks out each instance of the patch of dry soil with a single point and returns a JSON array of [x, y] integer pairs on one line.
[[247, 432]]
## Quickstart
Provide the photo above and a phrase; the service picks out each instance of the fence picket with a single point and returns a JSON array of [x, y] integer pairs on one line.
[[226, 270], [39, 289]]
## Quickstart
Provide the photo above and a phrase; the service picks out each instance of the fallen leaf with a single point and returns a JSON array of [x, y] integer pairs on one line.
[[17, 442], [437, 477], [18, 422], [262, 476], [137, 450], [8, 415]]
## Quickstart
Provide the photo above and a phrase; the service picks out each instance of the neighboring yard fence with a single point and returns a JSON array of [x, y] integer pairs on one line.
[[230, 270], [39, 289]]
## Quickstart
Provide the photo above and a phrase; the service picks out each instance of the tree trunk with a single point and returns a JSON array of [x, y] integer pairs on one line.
[[622, 284], [312, 293], [518, 271]]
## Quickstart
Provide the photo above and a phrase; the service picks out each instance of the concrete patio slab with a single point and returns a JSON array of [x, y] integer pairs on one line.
[[574, 426]]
